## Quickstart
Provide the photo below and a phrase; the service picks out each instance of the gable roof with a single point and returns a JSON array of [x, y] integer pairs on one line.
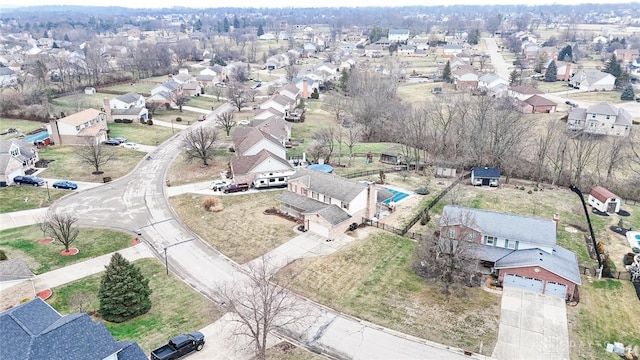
[[244, 164], [526, 90], [537, 100], [560, 261], [128, 98], [331, 185], [486, 172], [592, 77], [253, 137], [34, 330], [602, 194], [80, 117], [332, 213], [14, 269], [507, 226], [274, 125]]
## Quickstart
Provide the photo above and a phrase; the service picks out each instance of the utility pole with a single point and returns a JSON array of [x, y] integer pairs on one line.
[[166, 259]]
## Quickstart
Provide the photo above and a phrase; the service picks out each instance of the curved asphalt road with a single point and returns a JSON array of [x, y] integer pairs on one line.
[[138, 203]]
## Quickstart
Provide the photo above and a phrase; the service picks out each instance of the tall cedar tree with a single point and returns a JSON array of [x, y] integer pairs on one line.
[[124, 291], [628, 93], [613, 67], [446, 72], [551, 74]]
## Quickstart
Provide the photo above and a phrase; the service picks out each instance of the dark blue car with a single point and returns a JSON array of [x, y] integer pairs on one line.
[[64, 184]]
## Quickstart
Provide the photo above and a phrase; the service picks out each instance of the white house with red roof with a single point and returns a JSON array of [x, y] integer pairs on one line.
[[604, 200]]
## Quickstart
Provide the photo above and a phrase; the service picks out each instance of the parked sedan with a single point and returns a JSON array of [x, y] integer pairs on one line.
[[129, 145], [28, 180], [111, 142], [64, 184], [218, 185], [121, 140]]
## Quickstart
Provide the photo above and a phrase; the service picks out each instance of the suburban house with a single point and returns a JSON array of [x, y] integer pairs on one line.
[[452, 50], [205, 81], [485, 176], [278, 102], [464, 78], [521, 249], [626, 55], [34, 330], [536, 104], [292, 92], [129, 106], [263, 169], [253, 140], [276, 126], [398, 35], [523, 92], [327, 204], [602, 118], [593, 81], [262, 114], [373, 51], [7, 77], [16, 283], [490, 81], [192, 88], [604, 200], [171, 87], [16, 157], [563, 69], [87, 126]]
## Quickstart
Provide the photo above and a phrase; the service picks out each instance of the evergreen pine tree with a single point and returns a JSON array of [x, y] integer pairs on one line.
[[225, 25], [446, 72], [551, 74], [513, 77], [628, 93], [124, 292], [236, 22], [260, 30], [613, 66]]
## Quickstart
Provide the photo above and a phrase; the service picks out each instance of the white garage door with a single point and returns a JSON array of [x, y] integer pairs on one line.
[[523, 283], [555, 289], [318, 229]]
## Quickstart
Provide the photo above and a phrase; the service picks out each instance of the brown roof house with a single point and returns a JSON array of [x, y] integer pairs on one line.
[[536, 104], [16, 157], [327, 204], [602, 118], [626, 55], [263, 169], [80, 128], [604, 200]]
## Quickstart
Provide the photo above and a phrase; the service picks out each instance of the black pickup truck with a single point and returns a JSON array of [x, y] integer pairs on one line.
[[179, 346]]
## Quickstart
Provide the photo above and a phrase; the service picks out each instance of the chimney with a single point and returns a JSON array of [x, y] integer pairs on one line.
[[372, 203], [305, 89], [55, 132], [556, 219], [107, 109]]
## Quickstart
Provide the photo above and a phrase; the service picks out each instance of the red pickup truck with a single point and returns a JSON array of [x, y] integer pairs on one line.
[[231, 188]]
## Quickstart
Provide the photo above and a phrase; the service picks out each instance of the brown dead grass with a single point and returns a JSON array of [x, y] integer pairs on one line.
[[241, 231], [183, 172]]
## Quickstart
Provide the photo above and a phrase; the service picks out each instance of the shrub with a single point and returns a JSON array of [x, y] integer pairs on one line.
[[529, 192], [124, 291], [521, 188], [212, 204], [3, 255], [127, 121], [149, 122], [117, 121], [178, 119]]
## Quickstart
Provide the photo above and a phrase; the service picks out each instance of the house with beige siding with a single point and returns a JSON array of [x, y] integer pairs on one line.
[[89, 125]]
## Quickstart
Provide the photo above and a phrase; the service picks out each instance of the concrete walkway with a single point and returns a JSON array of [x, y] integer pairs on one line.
[[532, 326], [21, 218], [86, 268]]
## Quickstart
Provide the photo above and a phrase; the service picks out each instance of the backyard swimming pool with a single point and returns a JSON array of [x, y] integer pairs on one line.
[[397, 196], [634, 238]]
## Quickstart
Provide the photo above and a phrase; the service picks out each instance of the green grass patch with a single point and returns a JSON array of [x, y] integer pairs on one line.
[[66, 165], [607, 284], [24, 126], [140, 133], [23, 197], [23, 243], [167, 317]]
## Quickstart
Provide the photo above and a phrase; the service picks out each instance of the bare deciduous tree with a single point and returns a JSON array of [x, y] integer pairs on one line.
[[326, 138], [226, 120], [62, 228], [352, 136], [447, 257], [582, 150], [181, 99], [237, 94], [81, 301], [200, 144], [94, 154], [260, 305], [337, 104]]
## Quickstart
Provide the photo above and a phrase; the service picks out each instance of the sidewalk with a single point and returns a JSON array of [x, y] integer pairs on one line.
[[83, 269], [21, 218]]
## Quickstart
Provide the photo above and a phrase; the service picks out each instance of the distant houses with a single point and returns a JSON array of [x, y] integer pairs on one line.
[[600, 119]]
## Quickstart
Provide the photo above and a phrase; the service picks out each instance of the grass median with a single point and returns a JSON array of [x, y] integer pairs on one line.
[[175, 307]]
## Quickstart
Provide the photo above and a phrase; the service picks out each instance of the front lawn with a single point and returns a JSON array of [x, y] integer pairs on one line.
[[24, 197], [66, 165], [23, 243], [24, 126], [176, 307], [371, 279], [140, 133]]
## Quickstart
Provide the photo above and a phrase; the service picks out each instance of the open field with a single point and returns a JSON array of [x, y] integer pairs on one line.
[[550, 87], [183, 172], [140, 133], [140, 87], [597, 96], [203, 103], [72, 104], [167, 317], [419, 93], [13, 197], [66, 165], [23, 243], [241, 230], [371, 279], [24, 126]]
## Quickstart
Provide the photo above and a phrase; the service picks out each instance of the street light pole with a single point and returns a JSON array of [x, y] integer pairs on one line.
[[48, 194], [166, 258]]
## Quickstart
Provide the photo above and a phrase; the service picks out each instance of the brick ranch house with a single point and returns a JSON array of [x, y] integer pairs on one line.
[[327, 204], [521, 249]]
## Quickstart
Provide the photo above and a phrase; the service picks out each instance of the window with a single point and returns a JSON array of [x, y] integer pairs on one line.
[[593, 116], [315, 195], [78, 128], [327, 199], [304, 192], [344, 205], [608, 117], [452, 233], [489, 240], [295, 188], [510, 244]]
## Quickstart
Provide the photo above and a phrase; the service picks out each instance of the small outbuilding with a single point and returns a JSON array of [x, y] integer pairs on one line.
[[604, 200], [485, 176], [391, 156]]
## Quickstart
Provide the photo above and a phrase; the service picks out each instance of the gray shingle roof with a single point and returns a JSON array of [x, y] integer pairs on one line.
[[127, 111], [331, 185], [561, 262], [527, 229], [302, 203], [332, 213], [14, 269], [129, 98], [486, 172], [34, 330]]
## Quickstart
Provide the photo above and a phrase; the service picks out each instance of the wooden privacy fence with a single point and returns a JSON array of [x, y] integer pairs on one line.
[[614, 275], [374, 172]]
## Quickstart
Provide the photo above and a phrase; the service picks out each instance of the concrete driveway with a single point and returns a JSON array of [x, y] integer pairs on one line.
[[532, 326]]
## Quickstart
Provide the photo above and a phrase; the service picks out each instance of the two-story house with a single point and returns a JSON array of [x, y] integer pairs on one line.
[[34, 331], [261, 170], [602, 118], [87, 126], [626, 55], [278, 102], [464, 78], [253, 140], [16, 156], [327, 204], [398, 35], [128, 106], [522, 249], [165, 93]]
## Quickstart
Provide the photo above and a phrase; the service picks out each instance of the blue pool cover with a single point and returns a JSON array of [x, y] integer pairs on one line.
[[321, 167], [397, 196]]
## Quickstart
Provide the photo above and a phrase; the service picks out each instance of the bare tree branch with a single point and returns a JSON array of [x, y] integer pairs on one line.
[[200, 144], [94, 154], [62, 228]]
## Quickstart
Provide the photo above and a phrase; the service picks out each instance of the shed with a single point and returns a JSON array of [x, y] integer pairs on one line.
[[485, 176], [604, 200], [390, 156], [89, 90]]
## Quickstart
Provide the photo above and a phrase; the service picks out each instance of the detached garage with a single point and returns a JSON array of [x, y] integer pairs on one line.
[[604, 200], [535, 270]]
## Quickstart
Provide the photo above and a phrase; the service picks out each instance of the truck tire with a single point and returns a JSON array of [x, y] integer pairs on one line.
[[199, 347]]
